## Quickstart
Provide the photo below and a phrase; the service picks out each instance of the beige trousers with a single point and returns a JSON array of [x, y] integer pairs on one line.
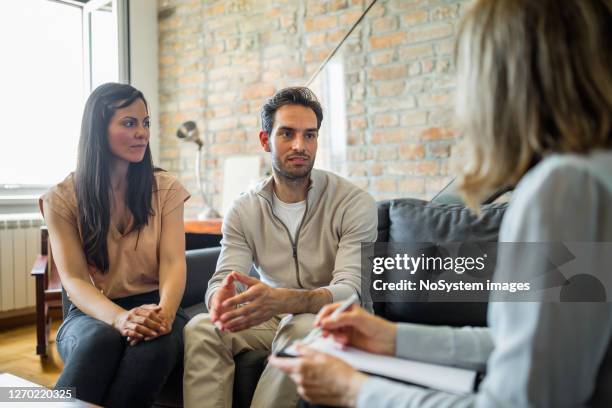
[[209, 361]]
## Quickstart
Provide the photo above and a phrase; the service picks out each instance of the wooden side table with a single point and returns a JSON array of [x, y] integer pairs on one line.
[[202, 234]]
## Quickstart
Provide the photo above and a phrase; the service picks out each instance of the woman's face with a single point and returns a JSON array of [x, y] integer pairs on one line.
[[128, 132]]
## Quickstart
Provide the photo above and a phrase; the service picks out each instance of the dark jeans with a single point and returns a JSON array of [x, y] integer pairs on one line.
[[105, 369]]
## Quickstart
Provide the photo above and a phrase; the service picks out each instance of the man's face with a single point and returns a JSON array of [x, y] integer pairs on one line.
[[293, 142]]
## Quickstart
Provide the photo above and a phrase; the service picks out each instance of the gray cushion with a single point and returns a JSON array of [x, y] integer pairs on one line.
[[412, 220]]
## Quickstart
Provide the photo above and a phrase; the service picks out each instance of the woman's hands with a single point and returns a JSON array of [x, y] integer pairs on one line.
[[322, 378], [144, 322], [357, 328]]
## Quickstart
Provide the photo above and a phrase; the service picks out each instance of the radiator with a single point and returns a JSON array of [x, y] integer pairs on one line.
[[19, 246]]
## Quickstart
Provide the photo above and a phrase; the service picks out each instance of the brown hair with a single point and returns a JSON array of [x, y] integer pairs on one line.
[[534, 77]]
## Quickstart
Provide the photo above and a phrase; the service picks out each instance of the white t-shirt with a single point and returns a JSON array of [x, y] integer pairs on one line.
[[290, 214]]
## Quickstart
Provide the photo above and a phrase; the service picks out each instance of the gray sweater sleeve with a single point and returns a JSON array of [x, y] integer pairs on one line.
[[359, 224], [466, 347], [546, 354], [236, 255]]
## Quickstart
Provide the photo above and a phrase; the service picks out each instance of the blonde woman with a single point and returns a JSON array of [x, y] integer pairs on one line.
[[535, 104]]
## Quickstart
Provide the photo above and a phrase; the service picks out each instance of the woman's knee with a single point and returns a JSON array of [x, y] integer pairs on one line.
[[100, 339]]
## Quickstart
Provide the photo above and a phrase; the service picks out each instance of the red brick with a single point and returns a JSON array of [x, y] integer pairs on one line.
[[382, 24], [320, 23], [387, 40], [428, 66], [443, 99], [357, 123], [438, 150], [415, 17], [415, 51], [314, 39], [274, 12], [359, 154], [413, 118], [190, 104], [249, 121], [385, 120], [336, 36], [357, 170], [355, 138], [226, 149], [230, 136], [315, 8], [412, 151], [436, 133], [221, 111], [422, 168], [387, 185], [296, 71], [389, 72], [445, 13], [385, 153], [389, 88], [389, 136], [430, 32], [317, 55], [258, 91], [382, 57], [408, 186], [271, 75], [336, 5], [445, 47], [349, 17], [222, 124]]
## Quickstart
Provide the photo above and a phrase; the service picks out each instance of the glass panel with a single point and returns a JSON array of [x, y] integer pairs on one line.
[[388, 99], [104, 46], [41, 77]]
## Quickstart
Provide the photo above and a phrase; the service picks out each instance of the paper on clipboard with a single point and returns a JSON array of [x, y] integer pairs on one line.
[[450, 379]]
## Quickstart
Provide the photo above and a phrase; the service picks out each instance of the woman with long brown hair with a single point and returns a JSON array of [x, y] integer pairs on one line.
[[534, 101], [116, 229]]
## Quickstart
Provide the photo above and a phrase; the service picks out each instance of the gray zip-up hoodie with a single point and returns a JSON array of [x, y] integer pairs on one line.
[[326, 252]]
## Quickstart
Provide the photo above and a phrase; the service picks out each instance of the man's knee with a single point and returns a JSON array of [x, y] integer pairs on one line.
[[294, 327], [202, 331]]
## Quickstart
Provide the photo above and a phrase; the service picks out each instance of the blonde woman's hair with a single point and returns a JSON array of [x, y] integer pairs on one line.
[[534, 77]]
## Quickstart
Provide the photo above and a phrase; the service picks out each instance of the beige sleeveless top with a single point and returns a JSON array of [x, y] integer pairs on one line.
[[133, 256]]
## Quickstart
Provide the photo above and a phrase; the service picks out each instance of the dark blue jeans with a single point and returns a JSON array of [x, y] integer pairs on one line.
[[105, 369]]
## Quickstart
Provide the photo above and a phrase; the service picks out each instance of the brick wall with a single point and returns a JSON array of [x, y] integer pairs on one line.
[[219, 60]]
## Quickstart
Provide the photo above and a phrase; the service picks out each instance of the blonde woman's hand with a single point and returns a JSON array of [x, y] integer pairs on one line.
[[321, 378], [357, 328]]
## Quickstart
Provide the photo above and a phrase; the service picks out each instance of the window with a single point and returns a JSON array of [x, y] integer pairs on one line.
[[54, 52]]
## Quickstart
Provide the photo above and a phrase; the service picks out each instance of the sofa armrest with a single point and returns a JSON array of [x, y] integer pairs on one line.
[[201, 264]]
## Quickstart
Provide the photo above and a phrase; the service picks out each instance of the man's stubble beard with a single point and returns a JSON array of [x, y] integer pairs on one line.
[[288, 175]]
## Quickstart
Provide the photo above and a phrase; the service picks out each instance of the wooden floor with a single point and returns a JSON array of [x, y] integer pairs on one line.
[[18, 355]]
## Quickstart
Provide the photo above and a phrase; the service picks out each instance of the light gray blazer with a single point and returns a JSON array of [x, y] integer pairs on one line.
[[536, 354]]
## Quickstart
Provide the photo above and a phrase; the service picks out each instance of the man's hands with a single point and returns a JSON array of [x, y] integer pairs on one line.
[[322, 378], [261, 302], [358, 328], [144, 322]]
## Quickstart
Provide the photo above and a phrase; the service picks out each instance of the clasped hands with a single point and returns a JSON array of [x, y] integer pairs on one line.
[[260, 302], [144, 323], [323, 379]]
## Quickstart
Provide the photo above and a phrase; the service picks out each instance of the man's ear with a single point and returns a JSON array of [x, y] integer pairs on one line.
[[264, 139]]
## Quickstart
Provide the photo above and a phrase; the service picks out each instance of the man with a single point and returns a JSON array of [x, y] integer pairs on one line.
[[302, 229]]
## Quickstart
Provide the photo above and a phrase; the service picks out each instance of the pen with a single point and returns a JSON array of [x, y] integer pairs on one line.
[[316, 332]]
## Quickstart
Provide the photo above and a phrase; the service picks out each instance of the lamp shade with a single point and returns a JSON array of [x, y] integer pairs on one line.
[[189, 132]]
